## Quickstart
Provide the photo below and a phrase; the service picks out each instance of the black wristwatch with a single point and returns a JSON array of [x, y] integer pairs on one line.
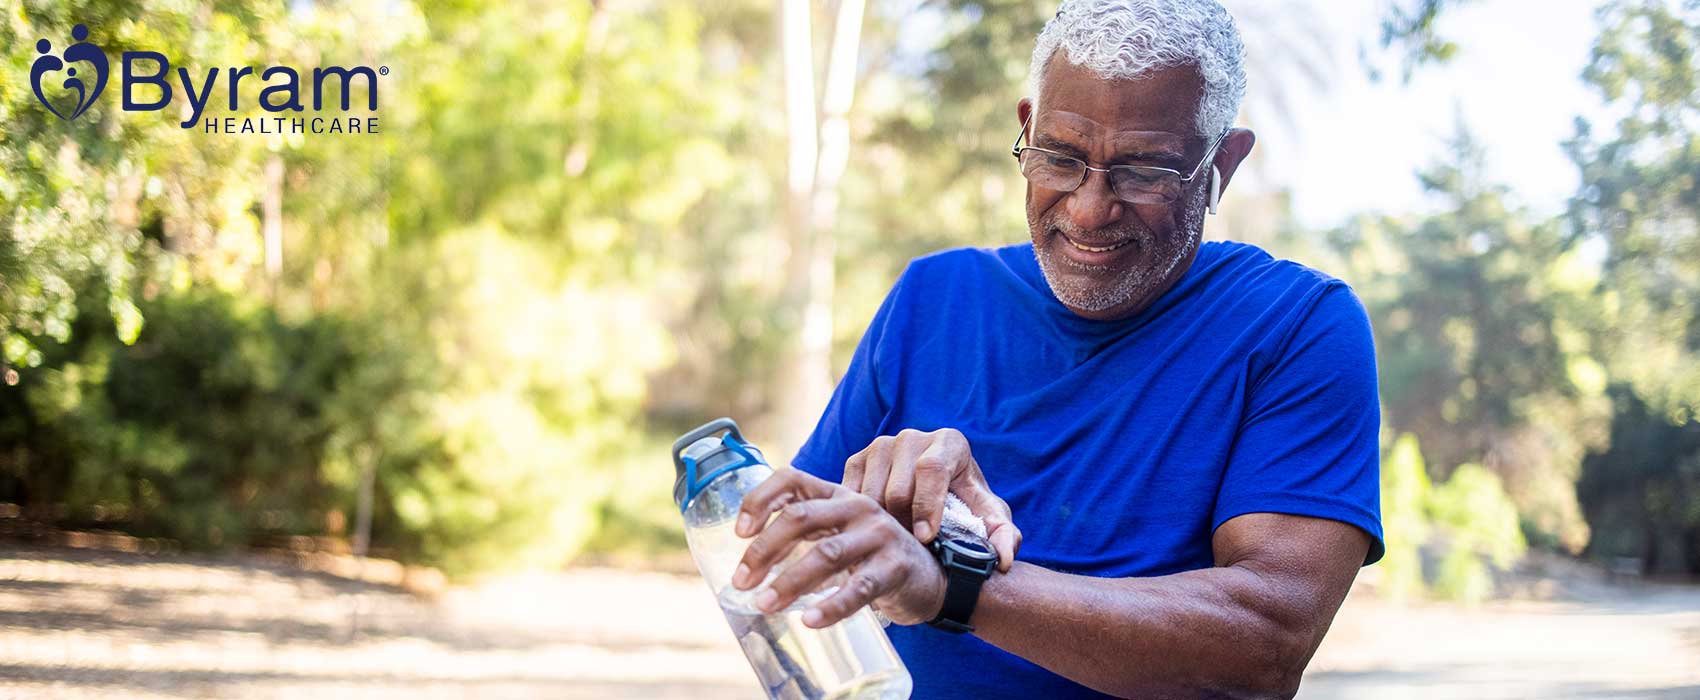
[[968, 560]]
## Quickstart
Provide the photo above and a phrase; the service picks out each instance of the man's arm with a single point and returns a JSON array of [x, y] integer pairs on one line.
[[1245, 628]]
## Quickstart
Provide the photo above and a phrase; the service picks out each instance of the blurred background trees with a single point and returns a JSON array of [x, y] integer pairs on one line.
[[586, 226]]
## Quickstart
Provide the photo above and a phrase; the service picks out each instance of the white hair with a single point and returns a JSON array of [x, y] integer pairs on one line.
[[1125, 39]]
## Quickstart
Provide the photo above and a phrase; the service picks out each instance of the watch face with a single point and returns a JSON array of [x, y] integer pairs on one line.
[[971, 546]]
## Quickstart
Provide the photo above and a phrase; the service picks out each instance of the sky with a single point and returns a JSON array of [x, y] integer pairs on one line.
[[1515, 83]]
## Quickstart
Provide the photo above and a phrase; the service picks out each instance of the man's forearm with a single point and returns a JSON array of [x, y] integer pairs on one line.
[[1229, 631]]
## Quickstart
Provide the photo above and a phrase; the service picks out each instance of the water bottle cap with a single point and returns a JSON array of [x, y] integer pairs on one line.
[[699, 457]]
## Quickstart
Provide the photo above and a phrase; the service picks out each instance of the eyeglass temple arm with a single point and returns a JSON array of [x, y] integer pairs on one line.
[[1015, 150], [1209, 155]]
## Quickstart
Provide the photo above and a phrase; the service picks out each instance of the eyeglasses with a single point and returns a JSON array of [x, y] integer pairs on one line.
[[1136, 184]]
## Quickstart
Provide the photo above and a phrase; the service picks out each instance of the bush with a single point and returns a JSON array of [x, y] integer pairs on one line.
[[494, 427], [1468, 520], [1482, 529], [208, 429], [1405, 494]]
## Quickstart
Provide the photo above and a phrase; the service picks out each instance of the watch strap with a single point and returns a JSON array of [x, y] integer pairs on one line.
[[963, 580]]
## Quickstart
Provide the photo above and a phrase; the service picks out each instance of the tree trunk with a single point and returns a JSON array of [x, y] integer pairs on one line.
[[819, 151], [271, 221]]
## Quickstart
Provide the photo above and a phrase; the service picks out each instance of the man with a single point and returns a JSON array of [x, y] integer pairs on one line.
[[1173, 444]]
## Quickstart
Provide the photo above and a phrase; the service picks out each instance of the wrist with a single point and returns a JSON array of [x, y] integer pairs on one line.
[[965, 561], [940, 586]]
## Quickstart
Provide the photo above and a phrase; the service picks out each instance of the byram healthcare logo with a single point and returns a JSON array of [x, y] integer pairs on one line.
[[84, 70]]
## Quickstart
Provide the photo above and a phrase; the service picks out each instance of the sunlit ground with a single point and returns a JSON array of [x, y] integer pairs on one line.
[[84, 624]]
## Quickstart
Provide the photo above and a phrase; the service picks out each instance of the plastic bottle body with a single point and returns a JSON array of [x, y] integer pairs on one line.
[[850, 659]]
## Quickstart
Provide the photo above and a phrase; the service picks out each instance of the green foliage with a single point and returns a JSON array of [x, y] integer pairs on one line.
[[1473, 507], [1468, 520], [465, 311], [1643, 494], [1479, 337], [208, 428], [1640, 201], [1498, 335], [539, 376], [1405, 493], [1481, 527], [1641, 197], [1413, 28]]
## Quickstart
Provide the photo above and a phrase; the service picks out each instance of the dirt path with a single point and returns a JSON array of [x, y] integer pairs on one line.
[[75, 624]]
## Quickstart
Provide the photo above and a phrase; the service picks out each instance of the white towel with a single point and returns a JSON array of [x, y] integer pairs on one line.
[[957, 521]]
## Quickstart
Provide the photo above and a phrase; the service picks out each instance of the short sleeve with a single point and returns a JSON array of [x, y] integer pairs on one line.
[[858, 406], [1309, 441]]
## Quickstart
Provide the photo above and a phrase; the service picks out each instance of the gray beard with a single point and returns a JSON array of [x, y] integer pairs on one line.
[[1128, 284]]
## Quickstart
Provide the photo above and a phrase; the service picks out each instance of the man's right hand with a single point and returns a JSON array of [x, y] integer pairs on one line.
[[909, 474]]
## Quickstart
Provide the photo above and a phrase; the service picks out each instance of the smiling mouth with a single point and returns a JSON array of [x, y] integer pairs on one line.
[[1094, 249]]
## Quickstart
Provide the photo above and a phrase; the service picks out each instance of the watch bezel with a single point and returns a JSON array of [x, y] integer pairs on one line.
[[969, 553]]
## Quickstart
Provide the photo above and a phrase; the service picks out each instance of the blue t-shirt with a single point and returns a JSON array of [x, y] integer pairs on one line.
[[1120, 446]]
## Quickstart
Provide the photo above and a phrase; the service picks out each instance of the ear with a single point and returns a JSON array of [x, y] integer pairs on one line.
[[1233, 151], [1023, 109]]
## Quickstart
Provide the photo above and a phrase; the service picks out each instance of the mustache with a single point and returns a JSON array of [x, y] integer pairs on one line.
[[1109, 235]]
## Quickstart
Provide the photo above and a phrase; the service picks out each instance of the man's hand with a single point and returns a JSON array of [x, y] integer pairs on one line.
[[909, 475], [886, 566]]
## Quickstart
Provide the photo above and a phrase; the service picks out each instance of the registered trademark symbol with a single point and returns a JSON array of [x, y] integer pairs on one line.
[[383, 70]]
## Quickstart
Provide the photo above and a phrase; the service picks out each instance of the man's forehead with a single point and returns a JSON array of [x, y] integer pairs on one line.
[[1158, 106], [1082, 130]]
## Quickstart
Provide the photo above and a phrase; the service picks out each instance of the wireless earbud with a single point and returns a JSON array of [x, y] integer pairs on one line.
[[1215, 188]]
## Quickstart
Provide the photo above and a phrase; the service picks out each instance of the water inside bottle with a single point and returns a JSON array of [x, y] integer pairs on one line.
[[851, 659]]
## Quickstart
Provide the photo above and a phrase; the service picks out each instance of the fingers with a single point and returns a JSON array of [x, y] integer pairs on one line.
[[933, 471], [872, 579], [784, 487], [909, 474], [795, 522], [900, 484], [854, 468], [829, 557], [875, 467]]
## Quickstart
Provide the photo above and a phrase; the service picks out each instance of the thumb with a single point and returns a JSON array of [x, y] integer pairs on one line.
[[1000, 527], [1005, 538]]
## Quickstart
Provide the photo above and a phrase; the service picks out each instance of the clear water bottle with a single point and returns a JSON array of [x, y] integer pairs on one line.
[[850, 659]]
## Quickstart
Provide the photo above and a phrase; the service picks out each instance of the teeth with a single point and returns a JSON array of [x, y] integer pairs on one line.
[[1091, 249]]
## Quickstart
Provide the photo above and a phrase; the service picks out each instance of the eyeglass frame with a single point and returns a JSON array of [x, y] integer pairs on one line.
[[1209, 155]]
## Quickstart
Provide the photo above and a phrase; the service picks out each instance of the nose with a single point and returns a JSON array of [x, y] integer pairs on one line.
[[1094, 204]]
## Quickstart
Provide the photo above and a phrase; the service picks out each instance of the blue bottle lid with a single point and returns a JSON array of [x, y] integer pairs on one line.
[[697, 469]]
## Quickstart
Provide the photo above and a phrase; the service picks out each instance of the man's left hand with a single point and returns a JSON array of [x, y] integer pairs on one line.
[[887, 566]]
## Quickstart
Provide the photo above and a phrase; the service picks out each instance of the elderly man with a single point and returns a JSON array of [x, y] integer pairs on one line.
[[1173, 444]]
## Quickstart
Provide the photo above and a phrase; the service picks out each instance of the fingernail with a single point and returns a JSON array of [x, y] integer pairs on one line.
[[766, 599], [740, 578], [813, 617], [922, 529], [743, 525]]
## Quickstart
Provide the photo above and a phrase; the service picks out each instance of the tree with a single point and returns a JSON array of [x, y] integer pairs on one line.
[[1480, 351], [465, 306], [1640, 201], [1640, 197], [1642, 495], [1413, 27]]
